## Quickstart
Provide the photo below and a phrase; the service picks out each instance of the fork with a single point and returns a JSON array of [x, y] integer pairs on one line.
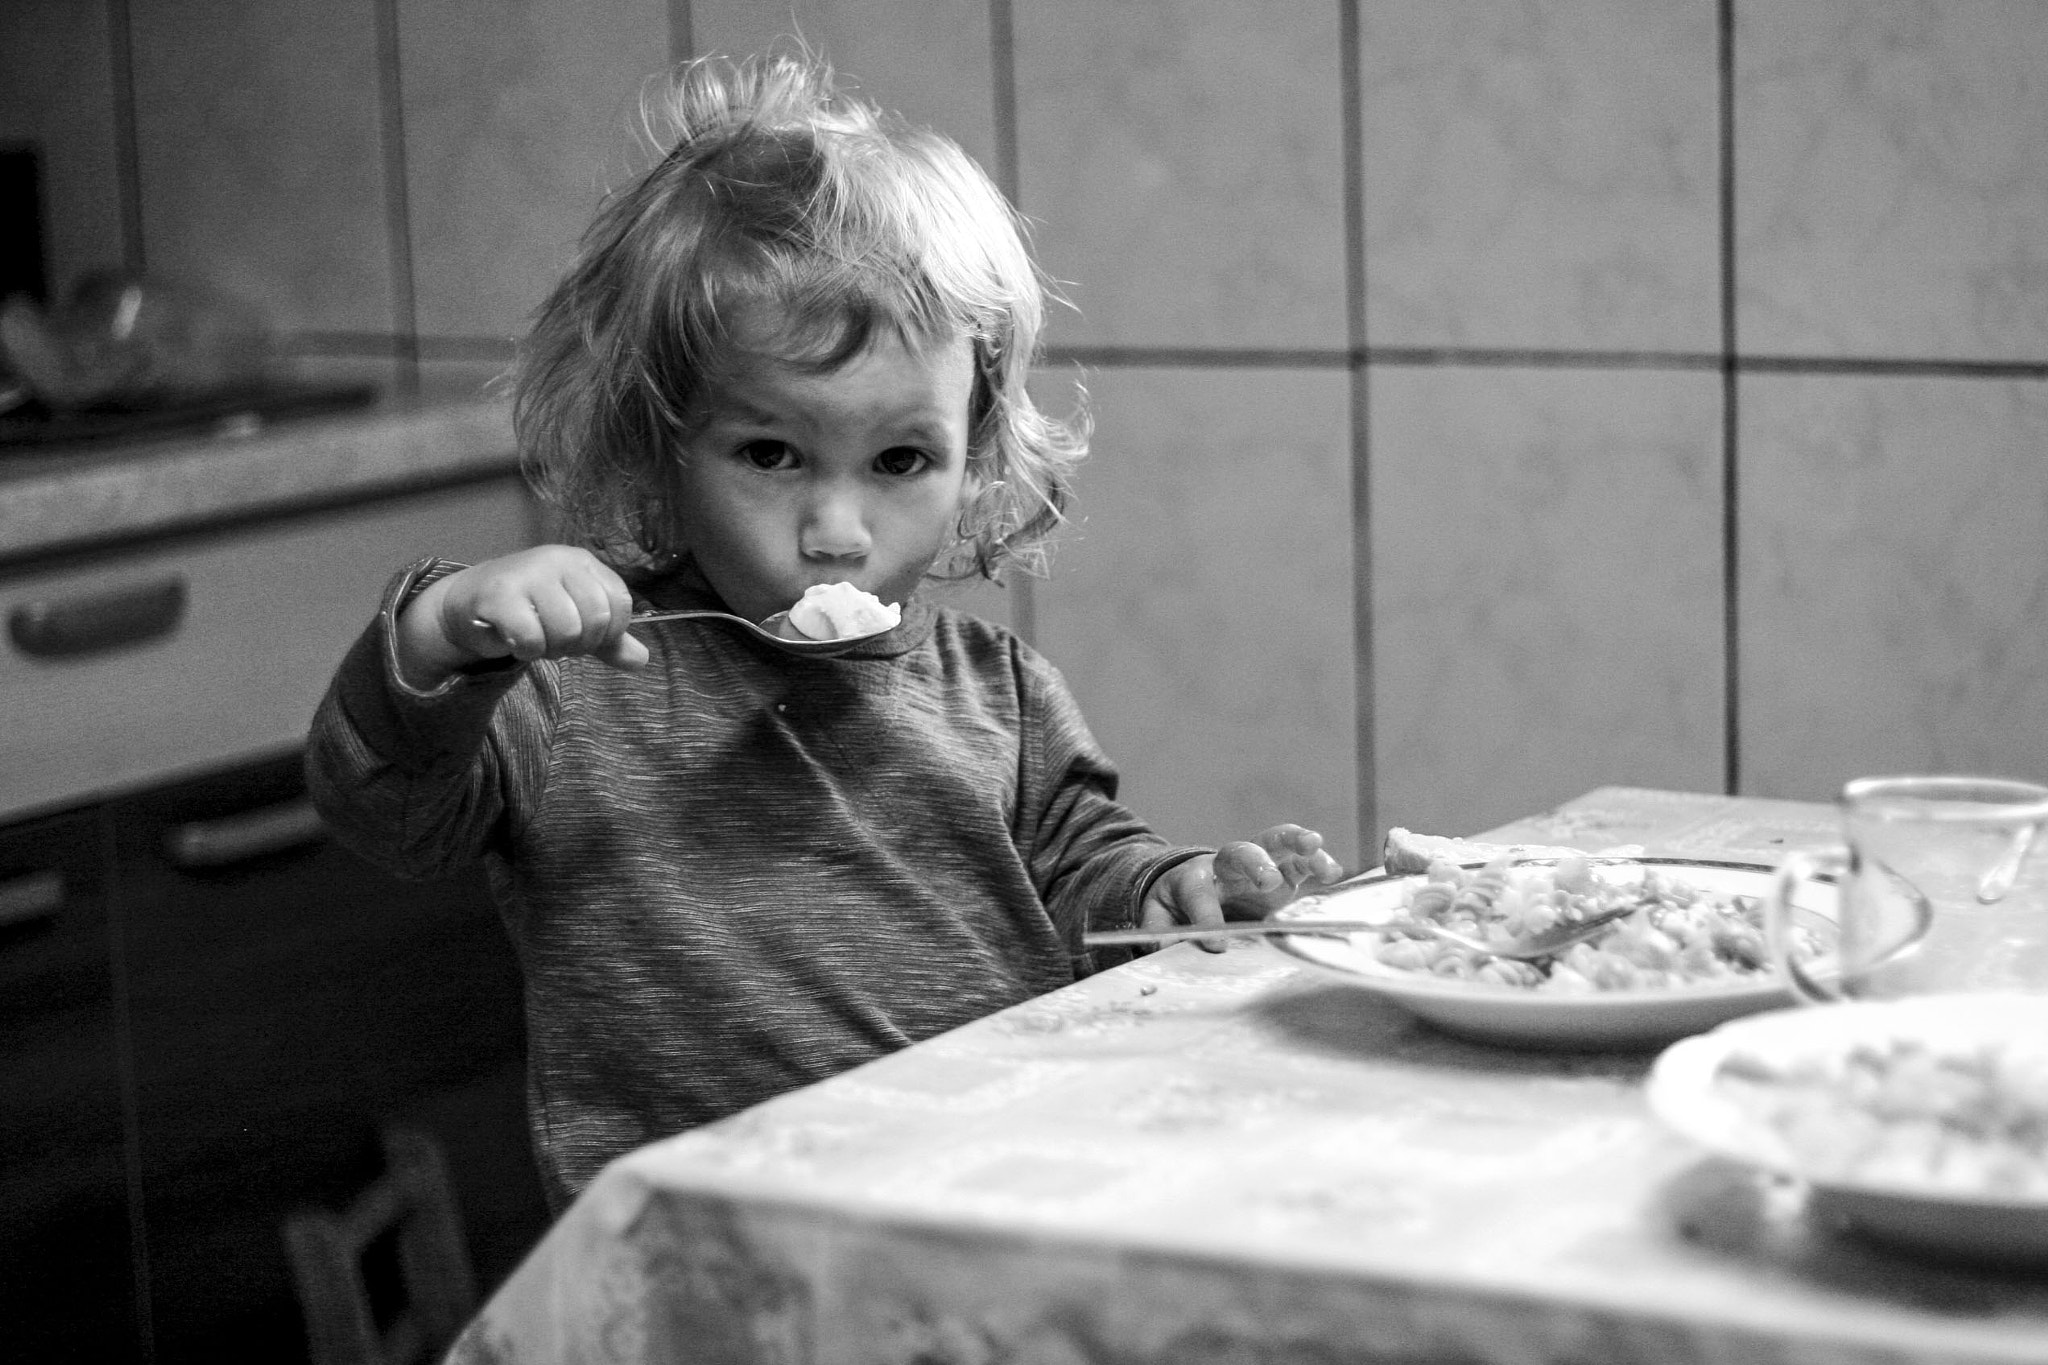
[[1546, 943]]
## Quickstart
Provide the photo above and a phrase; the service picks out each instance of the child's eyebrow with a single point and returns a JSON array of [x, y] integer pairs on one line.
[[920, 429], [731, 408]]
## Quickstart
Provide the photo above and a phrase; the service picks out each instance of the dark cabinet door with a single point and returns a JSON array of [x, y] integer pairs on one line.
[[284, 1000], [67, 1271]]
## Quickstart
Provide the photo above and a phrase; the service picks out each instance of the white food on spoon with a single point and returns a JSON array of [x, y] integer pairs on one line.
[[833, 611]]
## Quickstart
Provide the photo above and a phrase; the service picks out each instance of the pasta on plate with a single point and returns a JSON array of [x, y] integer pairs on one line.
[[1681, 934]]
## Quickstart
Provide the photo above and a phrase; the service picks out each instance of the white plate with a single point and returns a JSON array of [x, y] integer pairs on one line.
[[1522, 1017], [1683, 1094]]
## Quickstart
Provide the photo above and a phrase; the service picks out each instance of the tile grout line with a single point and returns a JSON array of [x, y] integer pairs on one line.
[[1477, 357], [127, 138], [1731, 506], [682, 32], [131, 1105], [397, 199], [1002, 44], [134, 254], [471, 346], [1002, 41], [1365, 682]]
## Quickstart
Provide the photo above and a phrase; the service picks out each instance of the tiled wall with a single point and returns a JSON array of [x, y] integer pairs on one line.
[[1493, 400]]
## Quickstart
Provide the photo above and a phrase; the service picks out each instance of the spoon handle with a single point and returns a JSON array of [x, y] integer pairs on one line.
[[650, 617], [655, 616]]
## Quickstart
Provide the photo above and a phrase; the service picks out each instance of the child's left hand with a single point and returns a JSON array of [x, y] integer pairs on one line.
[[1248, 879]]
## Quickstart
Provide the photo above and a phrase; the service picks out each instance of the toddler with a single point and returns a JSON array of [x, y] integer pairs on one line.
[[792, 353]]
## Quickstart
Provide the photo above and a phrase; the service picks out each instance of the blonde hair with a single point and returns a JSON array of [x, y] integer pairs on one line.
[[777, 190]]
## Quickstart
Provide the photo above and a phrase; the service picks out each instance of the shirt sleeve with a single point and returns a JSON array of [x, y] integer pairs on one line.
[[1091, 857], [422, 783]]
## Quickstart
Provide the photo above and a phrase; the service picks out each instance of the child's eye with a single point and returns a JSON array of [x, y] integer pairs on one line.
[[901, 460], [767, 454]]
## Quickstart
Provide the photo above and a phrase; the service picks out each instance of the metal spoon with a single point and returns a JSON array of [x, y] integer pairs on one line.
[[1548, 943], [767, 630]]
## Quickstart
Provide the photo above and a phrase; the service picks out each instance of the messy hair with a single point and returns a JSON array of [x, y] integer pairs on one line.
[[847, 224]]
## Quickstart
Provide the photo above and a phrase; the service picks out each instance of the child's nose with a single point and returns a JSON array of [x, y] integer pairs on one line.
[[835, 525]]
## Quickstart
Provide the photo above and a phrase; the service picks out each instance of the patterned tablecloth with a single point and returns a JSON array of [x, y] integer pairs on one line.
[[1198, 1159]]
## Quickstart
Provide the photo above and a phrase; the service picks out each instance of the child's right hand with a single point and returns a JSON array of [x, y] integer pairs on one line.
[[548, 602]]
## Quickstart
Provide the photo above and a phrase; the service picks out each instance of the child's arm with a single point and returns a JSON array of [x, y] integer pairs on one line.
[[1248, 879], [418, 774], [549, 602]]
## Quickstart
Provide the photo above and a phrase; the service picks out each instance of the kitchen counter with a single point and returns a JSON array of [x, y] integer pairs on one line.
[[69, 499], [175, 605]]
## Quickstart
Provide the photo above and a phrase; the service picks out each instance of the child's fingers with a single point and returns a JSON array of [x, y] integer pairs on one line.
[[626, 652], [1321, 867], [1244, 866], [540, 623], [597, 621], [503, 625], [578, 615], [1300, 855], [1258, 876], [620, 600], [1186, 894], [478, 636], [1286, 839], [561, 619]]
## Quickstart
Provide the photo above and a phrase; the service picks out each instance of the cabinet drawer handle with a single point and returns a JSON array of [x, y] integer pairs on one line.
[[238, 838], [100, 621], [36, 895]]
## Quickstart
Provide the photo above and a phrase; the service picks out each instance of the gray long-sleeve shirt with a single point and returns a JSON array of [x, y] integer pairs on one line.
[[737, 871]]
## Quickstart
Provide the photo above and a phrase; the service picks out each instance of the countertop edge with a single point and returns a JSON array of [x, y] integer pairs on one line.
[[73, 503]]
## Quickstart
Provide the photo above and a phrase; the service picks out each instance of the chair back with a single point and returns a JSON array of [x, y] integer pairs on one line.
[[408, 1213]]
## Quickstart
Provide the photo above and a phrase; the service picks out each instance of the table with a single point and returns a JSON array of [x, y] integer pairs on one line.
[[1195, 1159]]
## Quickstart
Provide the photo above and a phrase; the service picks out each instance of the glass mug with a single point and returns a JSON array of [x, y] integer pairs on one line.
[[1930, 892]]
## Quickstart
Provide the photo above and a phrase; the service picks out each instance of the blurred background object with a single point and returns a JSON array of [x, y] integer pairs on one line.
[[122, 340], [22, 255]]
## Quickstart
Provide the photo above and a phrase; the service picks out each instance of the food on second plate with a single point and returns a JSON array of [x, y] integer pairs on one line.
[[1960, 1118], [833, 611], [1679, 934]]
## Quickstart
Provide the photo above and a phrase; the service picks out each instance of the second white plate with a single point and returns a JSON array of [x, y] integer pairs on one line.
[[1683, 1092]]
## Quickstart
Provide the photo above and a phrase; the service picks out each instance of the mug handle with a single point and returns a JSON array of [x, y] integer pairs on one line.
[[1795, 869]]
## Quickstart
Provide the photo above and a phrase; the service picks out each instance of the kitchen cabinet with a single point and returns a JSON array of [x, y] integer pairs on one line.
[[206, 1010], [125, 669], [283, 998], [207, 1007], [67, 1274]]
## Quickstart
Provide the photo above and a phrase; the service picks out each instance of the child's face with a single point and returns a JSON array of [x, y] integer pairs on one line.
[[860, 474]]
